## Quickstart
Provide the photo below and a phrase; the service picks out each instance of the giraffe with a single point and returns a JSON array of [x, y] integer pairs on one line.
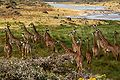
[[23, 49], [7, 46], [88, 52], [27, 34], [66, 49], [116, 45], [106, 46], [103, 42], [49, 41], [115, 37], [78, 56], [37, 36], [26, 47], [77, 49], [74, 43], [95, 48], [12, 38]]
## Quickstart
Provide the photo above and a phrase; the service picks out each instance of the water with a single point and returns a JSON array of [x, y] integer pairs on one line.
[[100, 16], [77, 7], [111, 16]]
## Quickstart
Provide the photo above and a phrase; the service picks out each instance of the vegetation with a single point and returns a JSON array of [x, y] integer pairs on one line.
[[103, 65], [45, 64]]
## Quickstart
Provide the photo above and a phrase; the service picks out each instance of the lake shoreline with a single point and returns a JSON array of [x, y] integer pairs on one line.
[[88, 11]]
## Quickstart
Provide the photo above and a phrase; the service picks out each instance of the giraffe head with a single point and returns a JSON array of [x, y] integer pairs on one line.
[[21, 24], [4, 30], [31, 24], [79, 39], [115, 32], [46, 29], [57, 42], [87, 39], [93, 33], [74, 31], [7, 24]]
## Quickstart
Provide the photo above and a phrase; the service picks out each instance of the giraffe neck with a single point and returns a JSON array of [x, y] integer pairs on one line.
[[73, 39], [6, 37], [34, 29], [80, 47], [10, 33], [25, 29], [87, 44], [94, 40], [48, 35], [101, 36], [24, 38], [64, 46], [80, 44], [115, 38]]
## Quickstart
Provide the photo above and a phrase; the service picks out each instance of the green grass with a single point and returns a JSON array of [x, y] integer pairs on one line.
[[108, 66]]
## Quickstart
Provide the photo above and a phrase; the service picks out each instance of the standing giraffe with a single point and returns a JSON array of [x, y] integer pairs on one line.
[[116, 45], [116, 34], [13, 39], [7, 47], [26, 47], [78, 57], [37, 36], [77, 50], [74, 43], [49, 41], [23, 49], [106, 46], [66, 49], [88, 52], [95, 48], [27, 34], [103, 42]]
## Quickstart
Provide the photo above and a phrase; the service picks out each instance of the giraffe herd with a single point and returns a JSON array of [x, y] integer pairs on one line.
[[99, 43]]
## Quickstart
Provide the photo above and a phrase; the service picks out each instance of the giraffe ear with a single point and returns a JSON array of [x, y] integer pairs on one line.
[[77, 41], [93, 33], [7, 24], [31, 24], [83, 40], [21, 42], [4, 30], [79, 37], [46, 29], [57, 41], [115, 32], [69, 33], [74, 31], [87, 37]]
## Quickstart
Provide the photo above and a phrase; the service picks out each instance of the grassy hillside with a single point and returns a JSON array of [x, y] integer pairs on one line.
[[45, 63], [108, 66]]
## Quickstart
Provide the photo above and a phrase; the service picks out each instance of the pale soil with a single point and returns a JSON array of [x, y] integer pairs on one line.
[[35, 14], [111, 5], [54, 17]]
